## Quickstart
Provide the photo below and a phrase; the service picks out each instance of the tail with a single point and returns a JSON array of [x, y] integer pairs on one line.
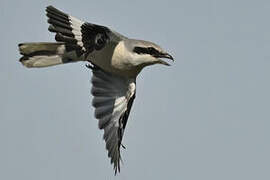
[[68, 48], [46, 54]]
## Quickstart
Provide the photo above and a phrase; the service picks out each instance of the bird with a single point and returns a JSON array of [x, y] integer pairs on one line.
[[115, 62]]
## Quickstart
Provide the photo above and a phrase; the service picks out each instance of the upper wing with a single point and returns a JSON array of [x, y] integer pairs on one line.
[[113, 98], [82, 36]]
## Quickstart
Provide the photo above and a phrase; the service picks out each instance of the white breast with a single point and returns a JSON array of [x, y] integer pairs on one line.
[[117, 60], [122, 58]]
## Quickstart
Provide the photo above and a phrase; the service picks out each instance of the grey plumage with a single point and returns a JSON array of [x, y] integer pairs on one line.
[[111, 101], [115, 61], [45, 54]]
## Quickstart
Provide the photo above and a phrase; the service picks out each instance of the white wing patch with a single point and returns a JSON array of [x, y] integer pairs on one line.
[[80, 37], [113, 97], [76, 29]]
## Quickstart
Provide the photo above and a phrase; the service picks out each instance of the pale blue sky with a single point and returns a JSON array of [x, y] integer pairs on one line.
[[207, 117]]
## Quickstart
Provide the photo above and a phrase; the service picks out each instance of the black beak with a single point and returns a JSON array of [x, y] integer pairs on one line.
[[168, 56], [165, 55]]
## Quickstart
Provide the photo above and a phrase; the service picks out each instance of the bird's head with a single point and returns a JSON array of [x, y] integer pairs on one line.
[[147, 53]]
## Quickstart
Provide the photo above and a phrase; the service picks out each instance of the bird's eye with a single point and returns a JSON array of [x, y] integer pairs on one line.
[[140, 50], [145, 50], [151, 50]]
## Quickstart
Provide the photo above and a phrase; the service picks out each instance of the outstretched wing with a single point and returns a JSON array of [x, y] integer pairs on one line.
[[113, 98], [81, 36]]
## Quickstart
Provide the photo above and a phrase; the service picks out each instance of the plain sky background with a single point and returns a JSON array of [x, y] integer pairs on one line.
[[207, 117]]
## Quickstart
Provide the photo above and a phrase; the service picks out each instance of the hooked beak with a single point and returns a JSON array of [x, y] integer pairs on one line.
[[165, 55], [168, 56]]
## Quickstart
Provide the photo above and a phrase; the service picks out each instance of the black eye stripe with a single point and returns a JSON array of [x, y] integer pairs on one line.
[[146, 50], [140, 50]]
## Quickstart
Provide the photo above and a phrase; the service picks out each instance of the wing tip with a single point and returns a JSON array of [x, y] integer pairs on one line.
[[53, 10]]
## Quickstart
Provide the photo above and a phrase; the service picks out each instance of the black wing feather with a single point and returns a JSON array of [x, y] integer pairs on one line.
[[113, 99], [94, 37], [86, 36]]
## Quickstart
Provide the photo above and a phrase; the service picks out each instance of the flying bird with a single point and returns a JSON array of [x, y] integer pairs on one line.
[[115, 61]]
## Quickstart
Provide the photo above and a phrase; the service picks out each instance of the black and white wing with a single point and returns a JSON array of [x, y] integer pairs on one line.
[[113, 98], [82, 37]]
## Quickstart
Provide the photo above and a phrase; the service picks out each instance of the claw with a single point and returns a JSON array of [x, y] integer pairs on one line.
[[123, 146], [90, 66]]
